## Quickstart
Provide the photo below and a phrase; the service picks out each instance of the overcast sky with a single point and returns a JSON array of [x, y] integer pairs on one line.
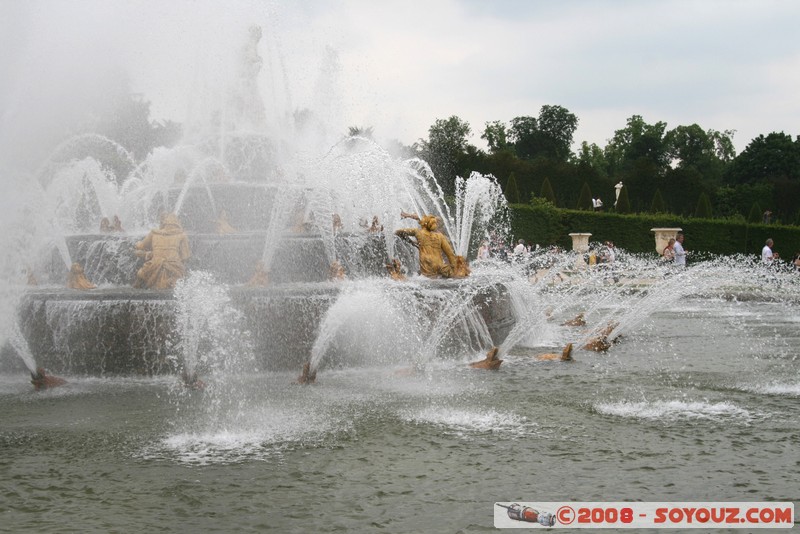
[[397, 66]]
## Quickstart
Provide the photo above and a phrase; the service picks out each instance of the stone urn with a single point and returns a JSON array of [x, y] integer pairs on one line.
[[663, 235], [580, 242]]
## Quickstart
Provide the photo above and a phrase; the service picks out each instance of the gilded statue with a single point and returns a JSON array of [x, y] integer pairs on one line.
[[432, 244], [116, 225], [491, 362], [395, 269], [108, 226], [192, 381], [578, 320], [76, 279], [30, 277], [336, 271], [260, 277], [565, 356], [165, 250], [599, 342], [41, 379], [307, 376], [223, 226]]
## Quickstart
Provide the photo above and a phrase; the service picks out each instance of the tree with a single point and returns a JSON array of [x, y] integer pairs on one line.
[[549, 135], [709, 152], [585, 198], [773, 157], [703, 209], [522, 135], [689, 145], [547, 192], [445, 146], [658, 205], [496, 136], [738, 200], [638, 140], [592, 156], [557, 126], [512, 191], [723, 144]]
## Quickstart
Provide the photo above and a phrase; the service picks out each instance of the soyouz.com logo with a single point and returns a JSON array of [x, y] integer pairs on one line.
[[644, 515]]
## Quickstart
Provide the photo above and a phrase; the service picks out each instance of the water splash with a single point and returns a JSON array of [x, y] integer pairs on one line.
[[208, 336]]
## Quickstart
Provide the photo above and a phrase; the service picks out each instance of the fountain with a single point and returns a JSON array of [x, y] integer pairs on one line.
[[294, 243]]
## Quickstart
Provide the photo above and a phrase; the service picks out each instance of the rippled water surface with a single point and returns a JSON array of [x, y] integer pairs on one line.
[[700, 402]]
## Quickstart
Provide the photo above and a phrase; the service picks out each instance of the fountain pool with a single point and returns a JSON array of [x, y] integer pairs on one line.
[[698, 403]]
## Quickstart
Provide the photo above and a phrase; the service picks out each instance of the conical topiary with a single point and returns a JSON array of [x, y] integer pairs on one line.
[[585, 198], [547, 192], [512, 191], [658, 205], [703, 209]]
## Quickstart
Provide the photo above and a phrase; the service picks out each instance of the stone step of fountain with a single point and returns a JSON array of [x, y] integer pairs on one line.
[[126, 331]]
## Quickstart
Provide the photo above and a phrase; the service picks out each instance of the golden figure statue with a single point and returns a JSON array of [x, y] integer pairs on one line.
[[432, 245], [116, 225], [337, 223], [105, 225], [565, 356], [578, 320], [491, 362], [260, 277], [31, 277], [336, 271], [165, 250], [600, 342], [395, 269], [461, 268], [307, 377], [223, 226], [42, 380], [76, 279], [191, 381], [376, 226]]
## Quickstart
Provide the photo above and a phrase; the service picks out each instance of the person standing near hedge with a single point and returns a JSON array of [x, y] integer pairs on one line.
[[767, 256], [669, 250], [680, 253]]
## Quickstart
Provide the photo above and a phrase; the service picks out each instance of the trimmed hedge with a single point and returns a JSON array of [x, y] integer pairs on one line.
[[546, 225]]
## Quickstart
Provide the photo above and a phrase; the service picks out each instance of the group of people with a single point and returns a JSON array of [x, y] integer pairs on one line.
[[674, 251]]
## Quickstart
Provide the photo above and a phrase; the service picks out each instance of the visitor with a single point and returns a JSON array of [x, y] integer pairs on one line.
[[767, 256], [669, 251], [520, 250], [483, 251], [607, 255], [680, 253]]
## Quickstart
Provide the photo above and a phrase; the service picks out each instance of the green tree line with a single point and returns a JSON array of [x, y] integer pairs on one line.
[[687, 170]]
